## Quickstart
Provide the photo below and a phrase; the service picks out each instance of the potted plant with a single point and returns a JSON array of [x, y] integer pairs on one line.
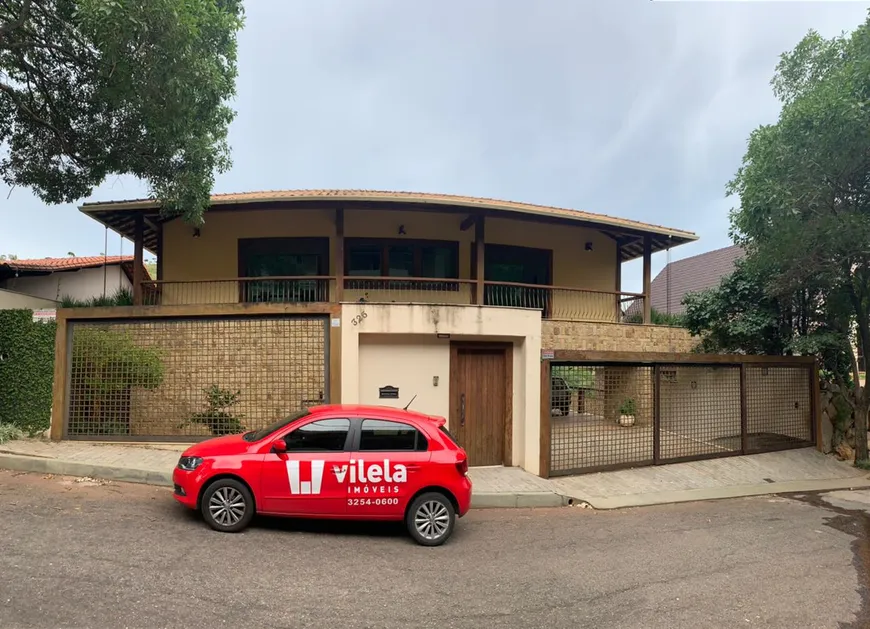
[[627, 412]]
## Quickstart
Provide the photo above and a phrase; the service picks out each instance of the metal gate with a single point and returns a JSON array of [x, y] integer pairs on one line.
[[191, 378], [614, 415]]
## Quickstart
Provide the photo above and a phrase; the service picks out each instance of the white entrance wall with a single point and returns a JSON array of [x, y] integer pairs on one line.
[[398, 345], [409, 362]]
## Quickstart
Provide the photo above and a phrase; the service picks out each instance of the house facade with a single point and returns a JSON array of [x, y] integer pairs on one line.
[[286, 299]]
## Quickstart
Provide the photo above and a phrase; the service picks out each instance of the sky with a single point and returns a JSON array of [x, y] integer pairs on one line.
[[632, 108]]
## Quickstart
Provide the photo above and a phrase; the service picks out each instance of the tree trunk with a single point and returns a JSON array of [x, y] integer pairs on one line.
[[862, 406]]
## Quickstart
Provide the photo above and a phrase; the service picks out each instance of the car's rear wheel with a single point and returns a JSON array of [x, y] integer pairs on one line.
[[227, 505], [431, 519]]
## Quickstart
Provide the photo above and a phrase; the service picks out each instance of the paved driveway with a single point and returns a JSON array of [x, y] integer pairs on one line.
[[75, 555]]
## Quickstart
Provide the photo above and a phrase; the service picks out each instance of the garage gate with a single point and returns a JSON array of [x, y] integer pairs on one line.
[[191, 378], [610, 415]]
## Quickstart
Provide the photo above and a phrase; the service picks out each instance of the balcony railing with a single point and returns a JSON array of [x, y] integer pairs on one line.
[[554, 302], [282, 290], [562, 303], [408, 290]]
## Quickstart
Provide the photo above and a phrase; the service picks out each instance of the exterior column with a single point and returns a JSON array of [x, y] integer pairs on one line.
[[480, 287], [618, 284], [647, 269], [339, 255], [159, 251], [138, 261]]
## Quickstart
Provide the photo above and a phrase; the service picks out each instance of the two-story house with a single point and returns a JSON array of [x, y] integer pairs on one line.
[[291, 298]]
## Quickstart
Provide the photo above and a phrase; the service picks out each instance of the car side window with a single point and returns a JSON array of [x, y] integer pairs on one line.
[[379, 435], [325, 435]]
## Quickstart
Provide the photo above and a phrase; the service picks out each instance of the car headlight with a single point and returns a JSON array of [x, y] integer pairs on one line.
[[189, 463]]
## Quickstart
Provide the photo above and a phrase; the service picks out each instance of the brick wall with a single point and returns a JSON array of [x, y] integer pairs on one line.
[[275, 364], [615, 337]]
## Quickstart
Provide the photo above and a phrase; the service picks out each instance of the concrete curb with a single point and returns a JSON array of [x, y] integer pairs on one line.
[[721, 493], [74, 468], [486, 500], [517, 500]]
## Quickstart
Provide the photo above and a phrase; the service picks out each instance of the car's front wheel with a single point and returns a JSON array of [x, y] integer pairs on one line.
[[227, 505], [431, 519]]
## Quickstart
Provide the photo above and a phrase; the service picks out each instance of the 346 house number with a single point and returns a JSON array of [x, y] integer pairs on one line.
[[359, 318]]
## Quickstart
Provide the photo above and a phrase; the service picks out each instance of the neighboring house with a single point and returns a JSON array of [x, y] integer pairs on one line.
[[10, 300], [689, 275], [80, 278], [451, 304]]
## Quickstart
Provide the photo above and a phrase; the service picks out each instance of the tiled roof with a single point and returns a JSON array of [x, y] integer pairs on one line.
[[691, 275], [404, 197], [64, 264]]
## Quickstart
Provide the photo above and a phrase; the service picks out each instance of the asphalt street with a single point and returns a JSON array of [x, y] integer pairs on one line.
[[78, 554]]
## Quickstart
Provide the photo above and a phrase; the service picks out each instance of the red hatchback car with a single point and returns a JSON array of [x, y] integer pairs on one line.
[[333, 461]]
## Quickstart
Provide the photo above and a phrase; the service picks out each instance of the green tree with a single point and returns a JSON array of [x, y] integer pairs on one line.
[[804, 188], [741, 317], [90, 88]]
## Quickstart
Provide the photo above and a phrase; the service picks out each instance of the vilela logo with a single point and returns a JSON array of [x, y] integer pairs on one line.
[[362, 477], [305, 487], [371, 478]]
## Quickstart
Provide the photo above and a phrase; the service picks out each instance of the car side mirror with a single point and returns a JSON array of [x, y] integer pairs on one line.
[[279, 446]]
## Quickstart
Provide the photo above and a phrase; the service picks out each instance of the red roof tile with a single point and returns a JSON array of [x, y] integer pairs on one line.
[[408, 197], [64, 264]]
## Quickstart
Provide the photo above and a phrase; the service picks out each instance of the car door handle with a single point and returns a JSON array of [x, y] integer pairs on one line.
[[412, 468]]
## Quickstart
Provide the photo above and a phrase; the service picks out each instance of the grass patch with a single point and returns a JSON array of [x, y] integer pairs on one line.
[[863, 464]]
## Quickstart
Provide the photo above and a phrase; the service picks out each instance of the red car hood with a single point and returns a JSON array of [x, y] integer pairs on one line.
[[228, 444]]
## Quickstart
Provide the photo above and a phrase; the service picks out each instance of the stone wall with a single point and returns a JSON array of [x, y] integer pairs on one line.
[[615, 337], [838, 420], [276, 365]]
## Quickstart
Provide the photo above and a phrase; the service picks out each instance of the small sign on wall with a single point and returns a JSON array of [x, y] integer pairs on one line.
[[547, 354], [388, 393], [44, 314]]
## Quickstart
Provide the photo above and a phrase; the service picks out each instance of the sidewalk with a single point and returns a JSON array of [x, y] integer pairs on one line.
[[761, 474], [153, 464]]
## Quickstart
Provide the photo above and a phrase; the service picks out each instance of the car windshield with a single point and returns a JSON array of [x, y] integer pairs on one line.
[[256, 435]]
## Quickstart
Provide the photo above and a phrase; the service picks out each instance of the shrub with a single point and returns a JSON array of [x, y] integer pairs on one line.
[[628, 407], [121, 297], [108, 364], [217, 416], [8, 432], [26, 370]]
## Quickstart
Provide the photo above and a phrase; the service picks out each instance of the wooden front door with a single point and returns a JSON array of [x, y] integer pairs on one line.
[[480, 401]]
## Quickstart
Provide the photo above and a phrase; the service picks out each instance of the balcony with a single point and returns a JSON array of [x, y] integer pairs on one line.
[[554, 302]]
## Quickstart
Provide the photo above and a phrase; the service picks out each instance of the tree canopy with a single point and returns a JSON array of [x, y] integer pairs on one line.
[[92, 88], [804, 188]]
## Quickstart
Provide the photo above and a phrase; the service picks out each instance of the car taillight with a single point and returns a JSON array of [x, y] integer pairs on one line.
[[462, 467]]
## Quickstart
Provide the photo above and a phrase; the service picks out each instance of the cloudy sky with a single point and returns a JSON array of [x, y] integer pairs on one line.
[[631, 108]]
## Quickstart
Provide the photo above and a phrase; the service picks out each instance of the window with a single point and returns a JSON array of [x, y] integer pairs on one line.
[[256, 435], [326, 435], [507, 264], [284, 257], [401, 258], [449, 435], [380, 436]]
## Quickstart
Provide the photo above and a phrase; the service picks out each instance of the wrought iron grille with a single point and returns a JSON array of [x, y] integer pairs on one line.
[[699, 411], [601, 417], [778, 408], [607, 416], [192, 377]]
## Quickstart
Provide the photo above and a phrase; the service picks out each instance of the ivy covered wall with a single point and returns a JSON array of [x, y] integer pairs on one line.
[[26, 370]]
